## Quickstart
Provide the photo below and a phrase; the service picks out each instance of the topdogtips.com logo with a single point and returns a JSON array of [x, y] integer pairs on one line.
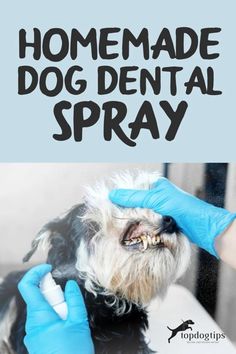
[[195, 336]]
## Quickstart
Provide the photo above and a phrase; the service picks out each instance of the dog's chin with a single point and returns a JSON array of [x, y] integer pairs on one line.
[[133, 270], [145, 276], [156, 259], [139, 275]]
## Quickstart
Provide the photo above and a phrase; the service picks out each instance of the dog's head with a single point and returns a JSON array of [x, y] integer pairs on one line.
[[135, 253], [131, 254]]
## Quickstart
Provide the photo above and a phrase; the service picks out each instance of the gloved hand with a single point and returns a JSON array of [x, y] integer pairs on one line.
[[46, 332], [200, 222]]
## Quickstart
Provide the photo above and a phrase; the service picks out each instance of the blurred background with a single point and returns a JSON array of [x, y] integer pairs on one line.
[[33, 194]]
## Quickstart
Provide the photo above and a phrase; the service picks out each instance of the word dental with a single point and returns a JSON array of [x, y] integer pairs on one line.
[[110, 45]]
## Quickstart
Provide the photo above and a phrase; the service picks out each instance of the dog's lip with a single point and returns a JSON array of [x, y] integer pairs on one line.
[[132, 231]]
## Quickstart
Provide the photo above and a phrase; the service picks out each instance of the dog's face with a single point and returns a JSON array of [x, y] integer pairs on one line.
[[134, 253]]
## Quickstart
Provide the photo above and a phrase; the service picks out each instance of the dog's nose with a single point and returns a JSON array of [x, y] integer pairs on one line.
[[169, 224]]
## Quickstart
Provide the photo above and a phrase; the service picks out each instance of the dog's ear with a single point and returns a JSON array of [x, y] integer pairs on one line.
[[61, 236], [41, 239]]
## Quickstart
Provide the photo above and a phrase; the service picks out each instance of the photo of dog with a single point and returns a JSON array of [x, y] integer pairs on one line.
[[121, 258]]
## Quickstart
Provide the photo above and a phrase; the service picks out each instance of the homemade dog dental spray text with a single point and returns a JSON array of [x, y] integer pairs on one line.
[[54, 295]]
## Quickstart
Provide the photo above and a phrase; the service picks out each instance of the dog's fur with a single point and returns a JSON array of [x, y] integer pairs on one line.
[[117, 283]]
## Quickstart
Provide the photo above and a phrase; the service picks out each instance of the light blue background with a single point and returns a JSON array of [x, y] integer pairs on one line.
[[207, 132]]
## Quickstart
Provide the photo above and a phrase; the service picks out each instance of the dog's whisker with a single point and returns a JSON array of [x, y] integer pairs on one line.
[[119, 218]]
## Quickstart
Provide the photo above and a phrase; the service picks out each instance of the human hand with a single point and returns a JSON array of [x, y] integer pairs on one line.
[[46, 332], [200, 222]]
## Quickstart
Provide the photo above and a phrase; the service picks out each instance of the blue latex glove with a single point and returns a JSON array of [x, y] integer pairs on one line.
[[200, 222], [46, 332]]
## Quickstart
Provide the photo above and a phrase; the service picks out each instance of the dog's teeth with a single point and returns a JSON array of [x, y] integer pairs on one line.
[[157, 239], [127, 242], [133, 241], [145, 242], [154, 240], [149, 240]]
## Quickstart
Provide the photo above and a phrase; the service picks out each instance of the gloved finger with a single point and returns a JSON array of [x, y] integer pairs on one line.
[[76, 307], [163, 185], [128, 198], [161, 182], [29, 286]]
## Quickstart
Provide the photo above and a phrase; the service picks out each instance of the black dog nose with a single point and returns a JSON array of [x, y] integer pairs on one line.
[[169, 224]]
